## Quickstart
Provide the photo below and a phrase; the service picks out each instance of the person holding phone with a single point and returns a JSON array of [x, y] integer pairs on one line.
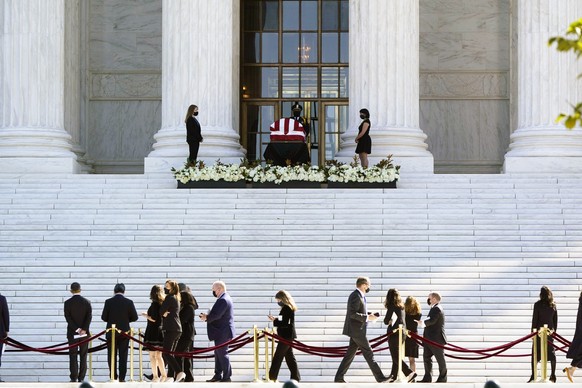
[[285, 325]]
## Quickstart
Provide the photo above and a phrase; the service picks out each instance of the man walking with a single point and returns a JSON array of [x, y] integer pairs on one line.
[[220, 328], [434, 331], [119, 311], [4, 324], [78, 314], [355, 327]]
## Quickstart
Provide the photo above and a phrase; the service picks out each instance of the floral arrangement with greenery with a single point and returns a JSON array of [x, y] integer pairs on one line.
[[255, 172]]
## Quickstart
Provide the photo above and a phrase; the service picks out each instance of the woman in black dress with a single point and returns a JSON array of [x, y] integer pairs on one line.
[[575, 349], [153, 334], [545, 313], [413, 314], [394, 318], [186, 342], [193, 133], [364, 141], [286, 329], [172, 328]]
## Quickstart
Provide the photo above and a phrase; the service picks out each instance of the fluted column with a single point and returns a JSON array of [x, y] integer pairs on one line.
[[32, 88], [200, 65], [384, 77], [543, 85]]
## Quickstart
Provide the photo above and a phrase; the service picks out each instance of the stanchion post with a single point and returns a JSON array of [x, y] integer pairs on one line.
[[400, 378], [256, 353], [113, 366], [267, 379], [140, 356], [544, 351], [534, 356], [131, 354], [90, 361]]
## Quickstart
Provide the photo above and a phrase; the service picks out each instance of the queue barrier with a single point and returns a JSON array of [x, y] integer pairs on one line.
[[255, 335]]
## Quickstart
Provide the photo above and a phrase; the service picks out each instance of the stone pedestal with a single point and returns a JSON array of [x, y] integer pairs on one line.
[[32, 88], [543, 85], [384, 78], [200, 66]]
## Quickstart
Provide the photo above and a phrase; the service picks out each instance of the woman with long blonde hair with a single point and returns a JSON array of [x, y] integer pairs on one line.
[[285, 325], [413, 313], [153, 335]]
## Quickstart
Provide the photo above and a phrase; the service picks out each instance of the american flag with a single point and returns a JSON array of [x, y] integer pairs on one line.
[[287, 130]]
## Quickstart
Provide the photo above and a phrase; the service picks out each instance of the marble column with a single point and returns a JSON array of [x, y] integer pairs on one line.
[[384, 77], [32, 88], [200, 65], [543, 85]]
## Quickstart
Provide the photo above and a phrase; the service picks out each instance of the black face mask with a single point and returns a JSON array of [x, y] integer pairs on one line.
[[428, 301], [362, 117], [281, 304], [195, 113], [367, 290], [166, 291], [214, 293]]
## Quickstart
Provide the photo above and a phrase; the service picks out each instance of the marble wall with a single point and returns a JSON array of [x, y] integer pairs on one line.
[[123, 82], [464, 83]]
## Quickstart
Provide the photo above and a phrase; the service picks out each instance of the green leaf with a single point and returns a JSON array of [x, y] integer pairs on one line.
[[570, 122]]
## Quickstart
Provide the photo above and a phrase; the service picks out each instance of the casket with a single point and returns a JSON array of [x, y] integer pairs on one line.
[[287, 130]]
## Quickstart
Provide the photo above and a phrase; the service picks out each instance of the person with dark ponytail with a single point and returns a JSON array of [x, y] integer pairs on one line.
[[364, 141], [394, 318], [545, 313], [286, 329], [172, 328], [193, 133]]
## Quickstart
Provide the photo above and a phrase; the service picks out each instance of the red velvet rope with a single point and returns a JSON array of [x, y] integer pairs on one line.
[[53, 349]]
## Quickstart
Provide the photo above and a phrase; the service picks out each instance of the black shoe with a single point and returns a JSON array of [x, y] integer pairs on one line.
[[553, 378], [425, 381], [225, 380], [410, 378], [441, 380], [148, 377], [383, 379], [340, 381], [213, 380], [73, 380]]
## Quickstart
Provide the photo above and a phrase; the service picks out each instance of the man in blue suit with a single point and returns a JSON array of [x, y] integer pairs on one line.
[[220, 327]]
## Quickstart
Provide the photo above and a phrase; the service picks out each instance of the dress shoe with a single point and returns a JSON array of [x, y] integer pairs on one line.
[[180, 377], [553, 378], [213, 380], [225, 380], [410, 378], [568, 371], [441, 380], [340, 381], [425, 381], [168, 380], [385, 379], [148, 377]]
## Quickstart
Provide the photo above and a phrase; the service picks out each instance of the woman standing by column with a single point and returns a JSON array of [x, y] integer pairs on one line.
[[364, 141], [193, 133], [286, 329]]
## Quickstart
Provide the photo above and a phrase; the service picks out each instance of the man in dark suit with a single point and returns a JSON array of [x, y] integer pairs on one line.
[[193, 133], [119, 311], [435, 331], [78, 314], [220, 327], [4, 324], [355, 327]]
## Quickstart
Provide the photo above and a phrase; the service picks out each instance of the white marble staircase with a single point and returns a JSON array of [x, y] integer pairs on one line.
[[486, 242]]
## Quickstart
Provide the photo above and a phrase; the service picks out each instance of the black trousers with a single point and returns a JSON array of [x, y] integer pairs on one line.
[[78, 367], [284, 352], [183, 346], [171, 339], [121, 351], [393, 346], [359, 342], [439, 355], [193, 147]]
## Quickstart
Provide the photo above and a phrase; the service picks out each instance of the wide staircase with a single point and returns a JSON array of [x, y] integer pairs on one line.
[[487, 243]]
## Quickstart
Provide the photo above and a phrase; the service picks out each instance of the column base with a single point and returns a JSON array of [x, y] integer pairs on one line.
[[40, 165], [542, 164]]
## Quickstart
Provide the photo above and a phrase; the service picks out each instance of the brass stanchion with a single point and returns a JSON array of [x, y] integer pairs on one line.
[[256, 353], [90, 361], [534, 356], [131, 354], [544, 351], [113, 366], [140, 357], [267, 379], [400, 378]]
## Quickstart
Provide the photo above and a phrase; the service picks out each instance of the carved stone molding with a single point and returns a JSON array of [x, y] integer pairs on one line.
[[455, 85], [126, 85]]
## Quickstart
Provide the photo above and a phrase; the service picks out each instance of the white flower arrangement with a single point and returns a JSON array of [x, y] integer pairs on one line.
[[334, 171]]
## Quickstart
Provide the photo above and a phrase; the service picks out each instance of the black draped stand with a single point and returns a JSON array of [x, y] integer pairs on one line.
[[281, 151]]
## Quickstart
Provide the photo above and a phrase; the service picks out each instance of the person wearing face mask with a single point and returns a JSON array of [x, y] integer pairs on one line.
[[285, 329], [193, 133], [355, 327], [220, 328], [172, 328], [434, 331], [364, 141]]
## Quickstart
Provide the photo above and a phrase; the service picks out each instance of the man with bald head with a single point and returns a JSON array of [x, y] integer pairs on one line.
[[220, 327]]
